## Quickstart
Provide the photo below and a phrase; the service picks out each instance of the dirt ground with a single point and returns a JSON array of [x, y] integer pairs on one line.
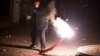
[[15, 41]]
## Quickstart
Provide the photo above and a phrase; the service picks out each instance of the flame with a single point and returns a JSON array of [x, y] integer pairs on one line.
[[62, 28]]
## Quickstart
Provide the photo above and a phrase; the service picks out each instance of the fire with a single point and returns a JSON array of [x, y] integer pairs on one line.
[[62, 28]]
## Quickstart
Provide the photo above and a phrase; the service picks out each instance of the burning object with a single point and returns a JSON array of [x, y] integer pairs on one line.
[[62, 28]]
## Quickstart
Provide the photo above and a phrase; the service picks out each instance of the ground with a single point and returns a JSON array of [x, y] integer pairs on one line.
[[15, 41]]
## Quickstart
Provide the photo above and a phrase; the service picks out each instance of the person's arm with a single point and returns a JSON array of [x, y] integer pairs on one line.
[[53, 15]]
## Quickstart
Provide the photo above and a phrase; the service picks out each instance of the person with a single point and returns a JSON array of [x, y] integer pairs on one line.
[[41, 23]]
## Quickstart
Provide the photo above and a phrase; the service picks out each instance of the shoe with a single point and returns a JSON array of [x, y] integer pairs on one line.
[[42, 50], [32, 47]]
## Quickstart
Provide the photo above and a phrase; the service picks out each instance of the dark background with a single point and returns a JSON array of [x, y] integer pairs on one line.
[[82, 13]]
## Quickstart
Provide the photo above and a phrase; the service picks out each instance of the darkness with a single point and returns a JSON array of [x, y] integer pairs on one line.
[[4, 7], [94, 14], [86, 16]]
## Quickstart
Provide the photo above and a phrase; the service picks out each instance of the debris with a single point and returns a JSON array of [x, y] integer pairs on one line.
[[4, 50], [8, 36]]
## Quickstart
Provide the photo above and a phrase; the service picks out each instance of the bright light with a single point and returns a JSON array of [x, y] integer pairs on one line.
[[28, 17], [37, 3], [62, 28]]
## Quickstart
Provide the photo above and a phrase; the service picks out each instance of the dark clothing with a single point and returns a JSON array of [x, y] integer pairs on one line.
[[34, 29], [40, 24], [42, 17]]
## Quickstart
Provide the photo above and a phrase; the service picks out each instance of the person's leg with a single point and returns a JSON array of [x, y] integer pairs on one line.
[[33, 37], [43, 39]]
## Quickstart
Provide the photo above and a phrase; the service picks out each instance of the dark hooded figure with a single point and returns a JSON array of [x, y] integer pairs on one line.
[[41, 23]]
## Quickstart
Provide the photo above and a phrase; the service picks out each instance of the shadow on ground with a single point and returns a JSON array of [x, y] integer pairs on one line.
[[51, 55], [17, 46]]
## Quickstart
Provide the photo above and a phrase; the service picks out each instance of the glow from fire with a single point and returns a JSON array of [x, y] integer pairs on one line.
[[62, 28]]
